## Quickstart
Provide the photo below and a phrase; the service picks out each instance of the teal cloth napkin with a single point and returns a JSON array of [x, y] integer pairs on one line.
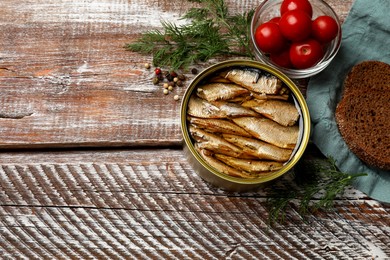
[[366, 36]]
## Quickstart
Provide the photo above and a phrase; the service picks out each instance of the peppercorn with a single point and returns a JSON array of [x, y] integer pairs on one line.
[[170, 88], [179, 83], [165, 91], [171, 84], [160, 76], [156, 81], [165, 85], [157, 71], [194, 71], [147, 66], [173, 74], [176, 97], [181, 77], [169, 77]]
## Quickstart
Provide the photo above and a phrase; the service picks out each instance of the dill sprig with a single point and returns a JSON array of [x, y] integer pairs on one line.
[[211, 31], [318, 183]]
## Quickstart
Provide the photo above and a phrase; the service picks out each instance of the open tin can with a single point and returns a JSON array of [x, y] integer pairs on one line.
[[215, 176]]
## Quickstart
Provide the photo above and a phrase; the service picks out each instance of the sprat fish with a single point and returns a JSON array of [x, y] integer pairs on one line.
[[218, 109], [284, 113], [218, 126], [220, 166], [219, 79], [242, 98], [255, 81], [250, 166], [270, 131], [258, 148], [201, 108], [220, 91], [214, 143], [234, 110], [262, 96]]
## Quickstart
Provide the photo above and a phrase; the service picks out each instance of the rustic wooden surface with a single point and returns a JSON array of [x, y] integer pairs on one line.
[[91, 164]]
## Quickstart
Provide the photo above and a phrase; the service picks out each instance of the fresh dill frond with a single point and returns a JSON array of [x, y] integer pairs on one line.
[[316, 185], [210, 32], [196, 14]]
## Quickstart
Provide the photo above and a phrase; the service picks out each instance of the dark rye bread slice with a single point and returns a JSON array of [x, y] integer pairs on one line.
[[368, 75], [363, 114]]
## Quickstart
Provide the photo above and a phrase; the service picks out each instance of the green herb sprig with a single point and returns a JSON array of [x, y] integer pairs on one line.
[[318, 183], [212, 31]]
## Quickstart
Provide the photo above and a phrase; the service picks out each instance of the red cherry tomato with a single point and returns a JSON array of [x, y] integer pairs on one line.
[[268, 38], [305, 54], [324, 29], [275, 20], [289, 5], [295, 25], [282, 59]]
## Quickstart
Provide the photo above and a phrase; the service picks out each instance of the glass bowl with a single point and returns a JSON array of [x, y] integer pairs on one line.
[[270, 9]]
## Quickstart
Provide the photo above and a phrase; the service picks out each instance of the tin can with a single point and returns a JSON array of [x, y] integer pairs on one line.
[[222, 180]]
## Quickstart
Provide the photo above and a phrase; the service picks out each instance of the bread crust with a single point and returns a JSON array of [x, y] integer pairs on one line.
[[363, 113]]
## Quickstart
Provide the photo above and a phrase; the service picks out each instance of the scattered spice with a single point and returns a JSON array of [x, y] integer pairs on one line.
[[147, 66], [181, 77], [156, 81], [194, 71], [160, 76], [179, 83], [176, 97], [169, 77]]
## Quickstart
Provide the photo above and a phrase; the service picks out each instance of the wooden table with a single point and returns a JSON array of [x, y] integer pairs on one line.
[[91, 160]]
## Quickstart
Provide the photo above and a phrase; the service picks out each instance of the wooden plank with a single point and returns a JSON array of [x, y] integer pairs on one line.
[[65, 79], [150, 204]]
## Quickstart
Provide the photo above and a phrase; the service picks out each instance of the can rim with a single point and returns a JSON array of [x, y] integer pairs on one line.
[[305, 132]]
